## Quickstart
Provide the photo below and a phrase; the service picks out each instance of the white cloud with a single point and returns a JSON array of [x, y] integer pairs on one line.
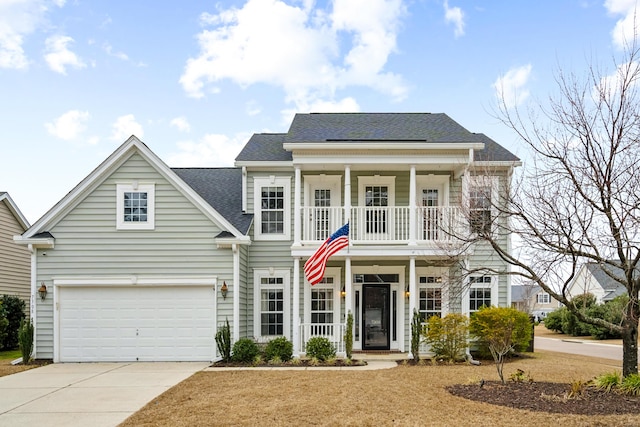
[[212, 150], [626, 28], [455, 16], [510, 88], [109, 50], [298, 48], [58, 56], [18, 19], [346, 105], [124, 127], [181, 124], [69, 125], [252, 108]]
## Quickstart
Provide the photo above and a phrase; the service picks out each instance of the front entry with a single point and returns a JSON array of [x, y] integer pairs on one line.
[[375, 317]]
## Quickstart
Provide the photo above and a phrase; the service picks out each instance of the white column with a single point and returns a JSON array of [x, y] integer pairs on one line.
[[297, 208], [348, 288], [412, 206], [236, 292], [347, 194], [296, 306], [413, 291]]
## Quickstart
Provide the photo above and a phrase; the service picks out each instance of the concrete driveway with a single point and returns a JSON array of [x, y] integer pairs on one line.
[[86, 394]]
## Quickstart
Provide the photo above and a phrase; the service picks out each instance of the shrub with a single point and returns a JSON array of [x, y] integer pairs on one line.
[[14, 309], [630, 385], [223, 341], [607, 382], [610, 311], [245, 350], [448, 336], [25, 340], [348, 336], [416, 334], [553, 321], [280, 348], [4, 323], [502, 329], [320, 348]]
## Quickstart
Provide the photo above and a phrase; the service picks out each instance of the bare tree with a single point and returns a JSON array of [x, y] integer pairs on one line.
[[578, 199]]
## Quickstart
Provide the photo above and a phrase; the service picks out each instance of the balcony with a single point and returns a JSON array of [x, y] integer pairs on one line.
[[384, 225]]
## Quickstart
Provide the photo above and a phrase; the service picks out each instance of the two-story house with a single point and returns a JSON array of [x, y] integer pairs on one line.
[[142, 262]]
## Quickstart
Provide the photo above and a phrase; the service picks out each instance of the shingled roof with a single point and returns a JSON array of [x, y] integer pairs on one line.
[[368, 127], [222, 189]]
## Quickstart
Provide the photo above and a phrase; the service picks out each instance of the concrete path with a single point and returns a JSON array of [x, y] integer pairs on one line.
[[86, 394]]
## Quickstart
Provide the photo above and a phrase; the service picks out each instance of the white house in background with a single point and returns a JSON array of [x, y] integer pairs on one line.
[[143, 262], [533, 300], [15, 261], [594, 279]]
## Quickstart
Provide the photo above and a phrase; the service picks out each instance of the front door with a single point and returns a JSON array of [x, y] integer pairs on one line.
[[375, 317], [323, 200]]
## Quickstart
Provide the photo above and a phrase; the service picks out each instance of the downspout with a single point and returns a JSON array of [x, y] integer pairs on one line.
[[33, 293], [236, 291]]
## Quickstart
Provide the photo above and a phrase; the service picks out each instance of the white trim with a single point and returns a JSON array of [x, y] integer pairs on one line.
[[377, 146], [13, 208], [133, 280], [468, 286], [235, 292], [444, 286], [331, 182], [440, 182], [271, 181], [336, 274], [257, 299], [150, 190]]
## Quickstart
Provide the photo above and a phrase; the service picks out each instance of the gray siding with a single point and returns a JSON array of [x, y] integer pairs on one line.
[[15, 260], [88, 244]]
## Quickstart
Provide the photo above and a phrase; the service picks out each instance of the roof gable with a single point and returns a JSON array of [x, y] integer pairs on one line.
[[13, 208], [130, 147]]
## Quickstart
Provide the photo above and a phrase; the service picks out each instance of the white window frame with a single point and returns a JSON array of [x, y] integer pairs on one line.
[[543, 298], [258, 275], [135, 187], [444, 285], [335, 273], [483, 181], [377, 180], [493, 286], [272, 181]]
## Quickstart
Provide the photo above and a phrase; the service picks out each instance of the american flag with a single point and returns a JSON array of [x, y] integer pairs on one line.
[[315, 265]]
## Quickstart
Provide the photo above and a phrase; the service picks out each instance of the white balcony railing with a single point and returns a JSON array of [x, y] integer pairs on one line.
[[383, 224], [334, 332]]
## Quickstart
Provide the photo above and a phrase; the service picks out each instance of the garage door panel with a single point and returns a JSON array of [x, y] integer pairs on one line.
[[163, 323]]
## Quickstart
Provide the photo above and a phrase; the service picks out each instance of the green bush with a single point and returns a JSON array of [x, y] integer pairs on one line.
[[245, 350], [448, 336], [25, 340], [348, 336], [320, 348], [502, 330], [610, 311], [14, 310], [630, 385], [608, 382], [4, 325], [223, 341], [279, 348], [553, 321]]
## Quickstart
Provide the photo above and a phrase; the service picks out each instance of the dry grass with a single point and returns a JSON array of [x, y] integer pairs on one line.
[[406, 395]]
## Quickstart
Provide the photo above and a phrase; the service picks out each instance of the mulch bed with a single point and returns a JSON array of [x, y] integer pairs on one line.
[[548, 397], [300, 363]]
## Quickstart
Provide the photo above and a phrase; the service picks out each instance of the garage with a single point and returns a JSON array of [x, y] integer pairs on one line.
[[135, 323]]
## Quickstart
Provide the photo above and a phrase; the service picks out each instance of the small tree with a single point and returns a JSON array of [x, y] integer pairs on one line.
[[448, 336], [4, 323], [502, 329], [223, 341], [416, 335], [348, 336], [25, 339], [14, 309]]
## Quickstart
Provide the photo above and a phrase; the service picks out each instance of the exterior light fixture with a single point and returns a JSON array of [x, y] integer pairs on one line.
[[406, 291], [343, 293], [42, 291], [223, 290]]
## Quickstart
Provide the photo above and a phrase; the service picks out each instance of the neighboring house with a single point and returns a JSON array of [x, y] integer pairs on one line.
[[594, 279], [143, 262], [533, 300], [15, 261]]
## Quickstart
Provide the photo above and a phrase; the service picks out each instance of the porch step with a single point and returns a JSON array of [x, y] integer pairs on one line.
[[380, 355]]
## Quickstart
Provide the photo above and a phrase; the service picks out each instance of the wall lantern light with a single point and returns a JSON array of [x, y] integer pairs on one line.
[[343, 293], [42, 291], [223, 290]]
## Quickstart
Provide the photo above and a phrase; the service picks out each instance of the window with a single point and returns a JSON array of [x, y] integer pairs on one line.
[[271, 303], [376, 197], [430, 296], [272, 208], [482, 195], [322, 302], [480, 292], [543, 298], [135, 206]]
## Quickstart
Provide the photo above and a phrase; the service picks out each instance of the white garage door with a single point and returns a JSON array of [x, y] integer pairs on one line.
[[158, 323]]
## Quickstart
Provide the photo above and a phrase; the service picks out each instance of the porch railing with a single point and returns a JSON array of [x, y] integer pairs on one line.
[[334, 332], [383, 224]]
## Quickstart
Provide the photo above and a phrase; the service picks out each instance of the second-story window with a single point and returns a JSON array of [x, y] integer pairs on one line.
[[543, 298], [272, 208], [376, 219], [482, 199]]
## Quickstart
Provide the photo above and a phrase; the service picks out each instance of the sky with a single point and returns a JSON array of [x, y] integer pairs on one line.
[[195, 79]]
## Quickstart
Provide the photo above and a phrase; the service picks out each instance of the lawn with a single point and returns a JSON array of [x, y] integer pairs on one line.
[[6, 368], [406, 395]]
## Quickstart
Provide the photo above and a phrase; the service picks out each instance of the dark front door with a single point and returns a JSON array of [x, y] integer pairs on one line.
[[375, 316]]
